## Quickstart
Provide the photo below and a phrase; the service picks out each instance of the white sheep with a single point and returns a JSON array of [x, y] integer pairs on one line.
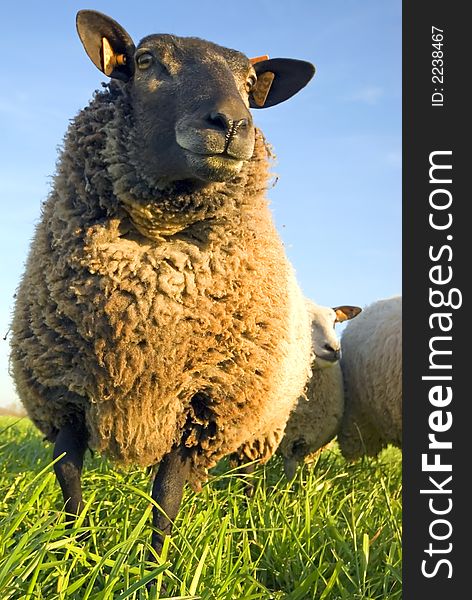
[[372, 370], [316, 419]]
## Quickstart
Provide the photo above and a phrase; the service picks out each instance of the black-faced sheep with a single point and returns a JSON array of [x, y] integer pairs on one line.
[[372, 370], [158, 319]]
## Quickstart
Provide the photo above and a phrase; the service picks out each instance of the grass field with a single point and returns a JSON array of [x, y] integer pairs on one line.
[[333, 533]]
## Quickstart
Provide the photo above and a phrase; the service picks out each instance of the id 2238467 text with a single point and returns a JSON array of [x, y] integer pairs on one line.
[[437, 66]]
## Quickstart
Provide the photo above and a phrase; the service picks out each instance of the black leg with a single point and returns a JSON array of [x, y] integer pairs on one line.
[[246, 467], [167, 491], [72, 439]]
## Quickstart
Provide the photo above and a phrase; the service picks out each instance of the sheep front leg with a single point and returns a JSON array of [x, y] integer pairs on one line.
[[167, 491], [248, 468], [72, 439]]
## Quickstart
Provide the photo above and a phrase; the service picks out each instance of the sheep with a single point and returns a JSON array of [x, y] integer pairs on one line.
[[158, 320], [316, 418], [372, 370]]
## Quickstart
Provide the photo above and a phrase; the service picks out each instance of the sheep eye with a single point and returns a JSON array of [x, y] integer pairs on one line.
[[251, 83], [145, 60]]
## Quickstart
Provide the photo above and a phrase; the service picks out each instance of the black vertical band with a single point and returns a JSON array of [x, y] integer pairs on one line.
[[437, 234]]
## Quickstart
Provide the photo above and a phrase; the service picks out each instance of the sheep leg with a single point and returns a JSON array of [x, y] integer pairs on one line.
[[72, 439], [167, 491], [248, 468]]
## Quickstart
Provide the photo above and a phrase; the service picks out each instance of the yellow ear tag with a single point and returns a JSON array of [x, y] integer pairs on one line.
[[264, 81], [340, 316], [110, 60], [261, 91], [257, 59]]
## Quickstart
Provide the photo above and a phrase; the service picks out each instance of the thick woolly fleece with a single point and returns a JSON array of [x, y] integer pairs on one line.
[[314, 420], [372, 370], [317, 416], [163, 316]]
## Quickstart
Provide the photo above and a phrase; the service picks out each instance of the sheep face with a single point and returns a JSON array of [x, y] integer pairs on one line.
[[202, 91], [325, 342], [190, 98]]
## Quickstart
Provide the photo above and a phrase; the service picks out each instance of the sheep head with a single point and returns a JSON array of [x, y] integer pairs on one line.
[[190, 98], [325, 342]]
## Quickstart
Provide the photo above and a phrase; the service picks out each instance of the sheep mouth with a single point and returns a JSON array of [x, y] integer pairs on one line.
[[223, 155], [215, 157], [219, 166], [214, 145], [326, 359], [211, 156]]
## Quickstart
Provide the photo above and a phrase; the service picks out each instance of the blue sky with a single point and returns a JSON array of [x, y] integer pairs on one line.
[[337, 202]]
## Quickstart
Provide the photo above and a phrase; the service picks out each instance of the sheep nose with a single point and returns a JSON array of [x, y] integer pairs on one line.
[[224, 123], [329, 348], [335, 352]]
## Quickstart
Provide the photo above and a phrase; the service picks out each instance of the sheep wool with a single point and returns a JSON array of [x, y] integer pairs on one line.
[[164, 315], [264, 441], [372, 370], [316, 418]]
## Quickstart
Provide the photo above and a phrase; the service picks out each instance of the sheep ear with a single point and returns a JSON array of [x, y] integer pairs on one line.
[[344, 313], [107, 44], [278, 79]]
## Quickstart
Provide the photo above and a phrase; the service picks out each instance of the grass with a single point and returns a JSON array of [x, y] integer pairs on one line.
[[333, 533]]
